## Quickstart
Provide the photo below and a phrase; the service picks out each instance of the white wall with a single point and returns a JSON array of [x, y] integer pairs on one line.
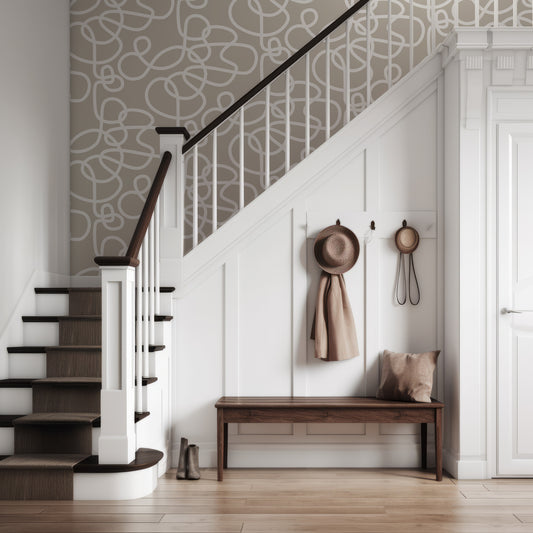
[[244, 328], [34, 147]]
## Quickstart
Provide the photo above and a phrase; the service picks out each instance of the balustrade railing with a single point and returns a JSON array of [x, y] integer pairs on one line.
[[314, 93]]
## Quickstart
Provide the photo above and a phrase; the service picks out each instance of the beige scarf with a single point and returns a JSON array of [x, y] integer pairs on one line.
[[333, 326]]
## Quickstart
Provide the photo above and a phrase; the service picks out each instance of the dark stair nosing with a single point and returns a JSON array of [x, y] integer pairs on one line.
[[6, 421], [56, 419], [138, 417], [26, 383], [57, 318], [16, 383], [144, 458], [68, 290], [73, 348]]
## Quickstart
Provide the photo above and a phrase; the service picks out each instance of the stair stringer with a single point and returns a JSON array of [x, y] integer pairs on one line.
[[308, 175]]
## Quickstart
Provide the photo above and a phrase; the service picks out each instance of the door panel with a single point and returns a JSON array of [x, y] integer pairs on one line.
[[515, 296]]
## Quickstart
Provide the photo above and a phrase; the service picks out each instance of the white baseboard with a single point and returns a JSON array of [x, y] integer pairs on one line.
[[472, 468]]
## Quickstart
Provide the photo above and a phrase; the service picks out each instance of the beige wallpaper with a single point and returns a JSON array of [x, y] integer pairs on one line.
[[137, 64]]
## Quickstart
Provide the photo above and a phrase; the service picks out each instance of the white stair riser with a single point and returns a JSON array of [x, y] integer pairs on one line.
[[47, 333], [27, 365], [116, 486], [41, 333], [7, 441], [14, 401], [57, 304], [52, 304]]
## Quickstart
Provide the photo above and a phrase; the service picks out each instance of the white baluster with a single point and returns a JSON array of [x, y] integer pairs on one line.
[[411, 36], [307, 107], [215, 184], [497, 13], [389, 45], [433, 26], [157, 257], [145, 311], [195, 197], [138, 336], [456, 11], [267, 137], [368, 58], [476, 13], [241, 159], [151, 280], [328, 89], [515, 13], [287, 121], [347, 74]]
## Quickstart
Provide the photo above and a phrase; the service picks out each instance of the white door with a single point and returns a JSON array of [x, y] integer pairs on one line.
[[515, 298]]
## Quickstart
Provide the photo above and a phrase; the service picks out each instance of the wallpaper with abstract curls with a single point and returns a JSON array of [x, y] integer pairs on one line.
[[138, 64]]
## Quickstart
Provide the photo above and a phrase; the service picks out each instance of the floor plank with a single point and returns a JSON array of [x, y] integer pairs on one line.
[[293, 501]]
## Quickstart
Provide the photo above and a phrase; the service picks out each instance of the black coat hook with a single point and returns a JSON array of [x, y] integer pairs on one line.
[[372, 225], [404, 223]]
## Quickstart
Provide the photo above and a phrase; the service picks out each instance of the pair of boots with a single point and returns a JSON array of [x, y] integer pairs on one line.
[[188, 464]]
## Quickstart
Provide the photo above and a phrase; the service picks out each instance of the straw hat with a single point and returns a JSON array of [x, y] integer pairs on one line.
[[406, 239], [336, 249]]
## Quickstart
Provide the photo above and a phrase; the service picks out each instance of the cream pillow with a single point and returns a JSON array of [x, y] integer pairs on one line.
[[407, 377]]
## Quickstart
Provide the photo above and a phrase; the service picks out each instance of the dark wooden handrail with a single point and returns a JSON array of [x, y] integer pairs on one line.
[[130, 259], [273, 75]]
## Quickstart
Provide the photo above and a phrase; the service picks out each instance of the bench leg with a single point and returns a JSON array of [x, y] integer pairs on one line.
[[424, 444], [220, 444], [225, 445], [438, 444]]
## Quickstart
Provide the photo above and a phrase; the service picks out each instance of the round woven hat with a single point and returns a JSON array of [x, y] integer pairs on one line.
[[336, 249], [407, 239]]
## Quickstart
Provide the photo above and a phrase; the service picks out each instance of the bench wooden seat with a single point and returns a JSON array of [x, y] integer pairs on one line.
[[243, 409]]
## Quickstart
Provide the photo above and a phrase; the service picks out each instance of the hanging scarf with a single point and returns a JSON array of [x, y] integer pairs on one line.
[[333, 326]]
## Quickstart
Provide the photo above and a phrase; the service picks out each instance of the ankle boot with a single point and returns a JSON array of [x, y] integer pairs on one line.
[[193, 462], [182, 461]]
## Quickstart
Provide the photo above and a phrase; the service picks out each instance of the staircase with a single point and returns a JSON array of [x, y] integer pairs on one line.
[[58, 438]]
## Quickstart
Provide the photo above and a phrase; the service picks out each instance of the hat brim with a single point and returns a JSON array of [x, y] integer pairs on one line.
[[415, 238], [352, 258]]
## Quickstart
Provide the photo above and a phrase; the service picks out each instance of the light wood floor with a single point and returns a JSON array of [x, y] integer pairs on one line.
[[286, 501]]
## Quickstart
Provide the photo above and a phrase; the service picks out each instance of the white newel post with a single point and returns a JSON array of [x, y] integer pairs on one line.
[[172, 203], [117, 435]]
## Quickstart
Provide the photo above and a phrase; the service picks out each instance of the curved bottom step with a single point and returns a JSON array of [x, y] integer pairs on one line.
[[77, 477], [93, 481]]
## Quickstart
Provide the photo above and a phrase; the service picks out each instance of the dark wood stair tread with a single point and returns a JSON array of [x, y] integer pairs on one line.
[[70, 348], [22, 383], [46, 419], [7, 421], [144, 458], [57, 318], [16, 383], [67, 290], [42, 461], [69, 381]]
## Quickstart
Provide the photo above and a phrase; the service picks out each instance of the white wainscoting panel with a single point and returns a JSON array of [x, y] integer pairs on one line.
[[245, 330]]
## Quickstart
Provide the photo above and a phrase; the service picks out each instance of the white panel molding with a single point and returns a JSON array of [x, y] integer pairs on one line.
[[231, 326], [299, 297]]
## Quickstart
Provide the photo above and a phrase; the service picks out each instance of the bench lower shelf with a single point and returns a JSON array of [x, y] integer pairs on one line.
[[241, 409]]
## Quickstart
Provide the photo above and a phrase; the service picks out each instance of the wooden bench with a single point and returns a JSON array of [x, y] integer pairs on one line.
[[241, 409]]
